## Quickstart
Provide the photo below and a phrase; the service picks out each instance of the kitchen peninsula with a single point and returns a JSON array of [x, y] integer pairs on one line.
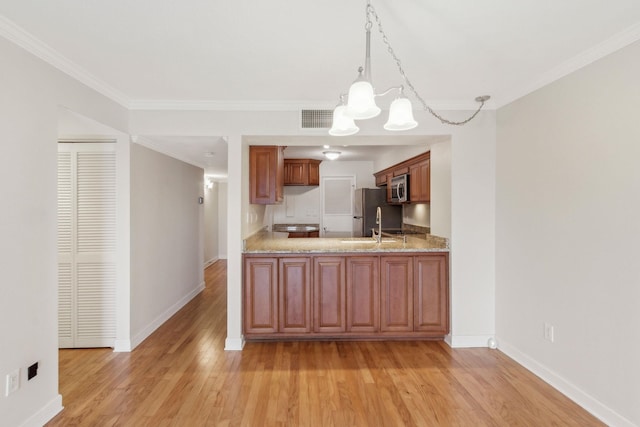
[[345, 288]]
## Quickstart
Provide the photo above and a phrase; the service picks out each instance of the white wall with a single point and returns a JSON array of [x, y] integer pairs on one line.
[[166, 238], [222, 219], [568, 233], [399, 154], [211, 219], [31, 95], [440, 206]]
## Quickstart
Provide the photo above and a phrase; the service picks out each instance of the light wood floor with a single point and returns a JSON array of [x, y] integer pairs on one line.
[[181, 376]]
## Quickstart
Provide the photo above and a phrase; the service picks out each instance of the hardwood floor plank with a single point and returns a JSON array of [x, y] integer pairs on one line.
[[181, 376]]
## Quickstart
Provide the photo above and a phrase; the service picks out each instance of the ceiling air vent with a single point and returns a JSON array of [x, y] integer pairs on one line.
[[316, 119]]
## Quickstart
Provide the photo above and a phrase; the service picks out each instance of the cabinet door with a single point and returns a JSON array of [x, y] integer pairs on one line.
[[363, 294], [266, 174], [295, 295], [420, 182], [279, 192], [396, 298], [296, 173], [431, 298], [314, 173], [260, 295], [329, 294]]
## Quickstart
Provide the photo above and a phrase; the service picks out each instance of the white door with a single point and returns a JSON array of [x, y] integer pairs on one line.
[[86, 244], [337, 205]]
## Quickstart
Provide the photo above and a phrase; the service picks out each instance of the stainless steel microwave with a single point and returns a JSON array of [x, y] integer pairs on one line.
[[400, 189]]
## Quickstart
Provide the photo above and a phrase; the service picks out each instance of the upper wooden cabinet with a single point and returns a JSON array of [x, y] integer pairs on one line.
[[419, 170], [381, 178], [420, 181], [266, 174], [301, 172]]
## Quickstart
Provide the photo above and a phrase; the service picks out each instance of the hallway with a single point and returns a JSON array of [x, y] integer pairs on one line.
[[181, 376]]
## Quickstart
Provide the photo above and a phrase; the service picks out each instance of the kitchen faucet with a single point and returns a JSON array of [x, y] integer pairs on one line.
[[379, 222]]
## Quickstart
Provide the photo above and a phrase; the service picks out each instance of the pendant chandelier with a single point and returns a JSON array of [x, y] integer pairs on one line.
[[360, 102]]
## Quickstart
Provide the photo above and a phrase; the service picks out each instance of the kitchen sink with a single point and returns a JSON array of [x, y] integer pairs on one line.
[[295, 228]]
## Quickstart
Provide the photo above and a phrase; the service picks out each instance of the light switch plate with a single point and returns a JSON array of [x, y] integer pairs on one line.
[[13, 382]]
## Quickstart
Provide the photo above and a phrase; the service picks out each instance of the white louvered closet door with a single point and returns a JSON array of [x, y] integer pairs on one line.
[[86, 244]]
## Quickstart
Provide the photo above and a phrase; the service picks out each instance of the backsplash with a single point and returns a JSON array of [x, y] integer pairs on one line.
[[418, 214], [416, 228]]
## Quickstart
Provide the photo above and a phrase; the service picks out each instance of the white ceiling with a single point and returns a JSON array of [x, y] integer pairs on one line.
[[282, 53]]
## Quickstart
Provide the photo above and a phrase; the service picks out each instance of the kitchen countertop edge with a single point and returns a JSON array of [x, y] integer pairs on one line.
[[265, 242]]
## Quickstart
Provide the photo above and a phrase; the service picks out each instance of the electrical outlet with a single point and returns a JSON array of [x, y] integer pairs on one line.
[[548, 332], [13, 382], [32, 371]]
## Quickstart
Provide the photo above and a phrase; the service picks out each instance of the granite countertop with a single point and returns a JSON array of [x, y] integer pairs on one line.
[[267, 242]]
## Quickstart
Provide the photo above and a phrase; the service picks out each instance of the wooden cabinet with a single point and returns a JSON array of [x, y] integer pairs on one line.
[[329, 291], [301, 172], [431, 294], [381, 178], [266, 174], [260, 295], [419, 170], [397, 294], [420, 181], [346, 296], [363, 294], [294, 295]]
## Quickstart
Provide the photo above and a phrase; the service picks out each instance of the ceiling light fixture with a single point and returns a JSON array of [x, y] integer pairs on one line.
[[331, 155], [361, 105]]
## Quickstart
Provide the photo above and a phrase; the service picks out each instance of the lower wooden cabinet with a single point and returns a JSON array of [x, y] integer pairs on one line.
[[260, 295], [363, 294], [431, 299], [294, 295], [346, 296], [329, 292], [397, 294]]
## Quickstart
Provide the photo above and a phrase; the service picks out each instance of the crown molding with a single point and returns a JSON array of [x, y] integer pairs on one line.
[[607, 47], [194, 105], [209, 105], [22, 38]]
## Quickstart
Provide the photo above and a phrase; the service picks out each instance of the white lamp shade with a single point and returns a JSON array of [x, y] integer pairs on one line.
[[400, 115], [342, 125], [361, 103]]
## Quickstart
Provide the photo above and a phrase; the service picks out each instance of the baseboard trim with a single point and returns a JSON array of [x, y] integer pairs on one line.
[[166, 315], [45, 414], [122, 346], [467, 341], [234, 344], [589, 403], [210, 262]]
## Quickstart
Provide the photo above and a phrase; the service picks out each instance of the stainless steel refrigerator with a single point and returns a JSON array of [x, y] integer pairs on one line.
[[365, 204]]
